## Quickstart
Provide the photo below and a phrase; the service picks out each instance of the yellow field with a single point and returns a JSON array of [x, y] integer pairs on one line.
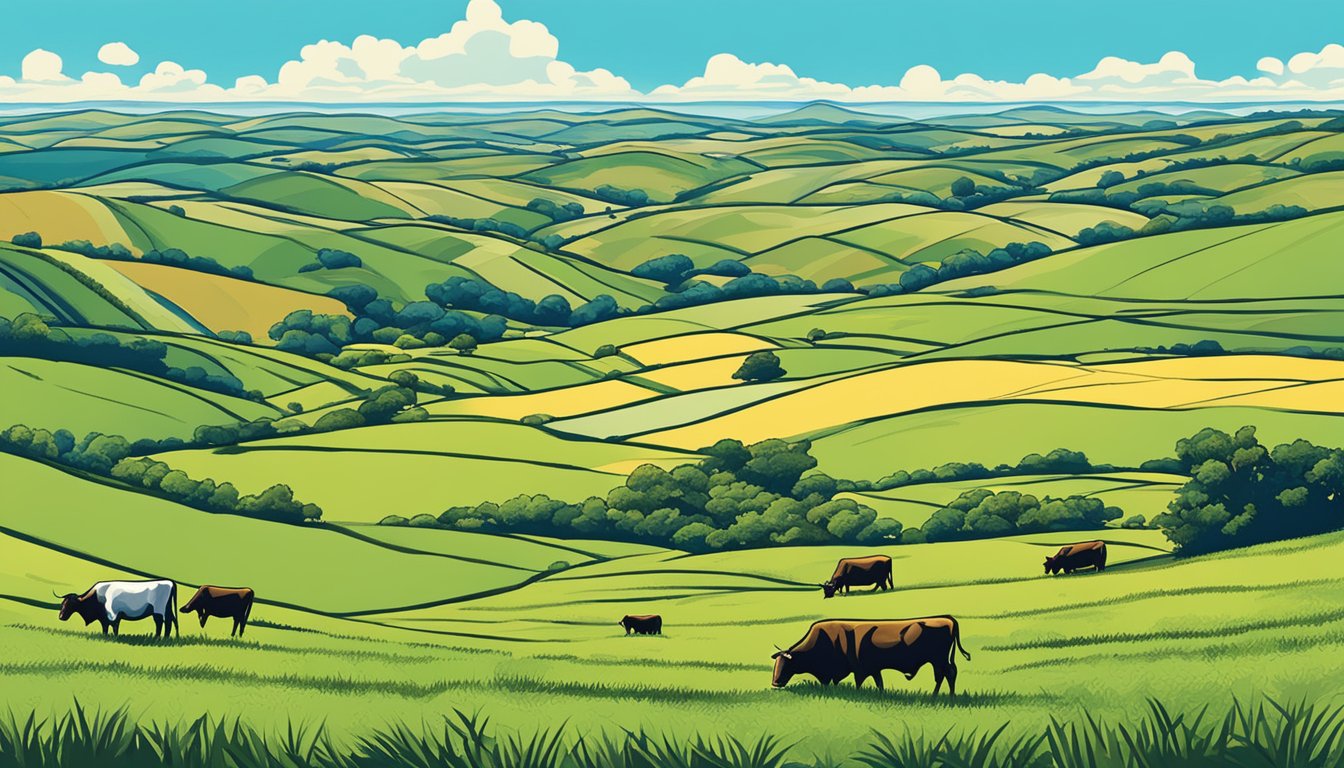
[[60, 216], [224, 303], [1266, 381]]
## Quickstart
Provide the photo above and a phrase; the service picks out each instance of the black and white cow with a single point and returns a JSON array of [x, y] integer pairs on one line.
[[108, 602]]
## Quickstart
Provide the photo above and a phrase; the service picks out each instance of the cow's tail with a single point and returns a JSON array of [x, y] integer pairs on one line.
[[956, 640]]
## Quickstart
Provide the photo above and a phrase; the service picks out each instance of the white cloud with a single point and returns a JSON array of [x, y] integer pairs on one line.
[[118, 55], [1173, 77], [485, 57], [1270, 65], [42, 66]]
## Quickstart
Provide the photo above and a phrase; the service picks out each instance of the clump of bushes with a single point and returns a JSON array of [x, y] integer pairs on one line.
[[631, 198], [28, 335], [332, 258], [982, 514], [555, 211], [738, 496], [27, 240], [110, 456], [1242, 493], [173, 257]]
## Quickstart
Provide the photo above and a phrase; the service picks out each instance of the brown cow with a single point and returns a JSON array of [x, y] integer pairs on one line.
[[833, 649], [859, 572], [1078, 556], [643, 624], [225, 602]]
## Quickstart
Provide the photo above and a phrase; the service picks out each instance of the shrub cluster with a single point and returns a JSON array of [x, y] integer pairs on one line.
[[173, 257], [555, 211], [470, 294], [631, 198], [967, 261], [333, 258], [982, 514], [1242, 493], [111, 456], [736, 497], [28, 335]]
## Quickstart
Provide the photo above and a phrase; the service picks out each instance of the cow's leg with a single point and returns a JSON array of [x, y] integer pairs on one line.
[[952, 680], [938, 674], [877, 680], [158, 626], [116, 626], [105, 624], [858, 679]]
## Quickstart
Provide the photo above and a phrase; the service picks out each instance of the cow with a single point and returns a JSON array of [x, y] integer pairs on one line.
[[833, 649], [108, 602], [1078, 556], [643, 624], [225, 602], [859, 572]]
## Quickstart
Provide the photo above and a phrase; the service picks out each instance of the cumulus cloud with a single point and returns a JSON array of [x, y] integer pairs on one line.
[[482, 56], [118, 55], [1173, 77], [485, 57], [42, 66]]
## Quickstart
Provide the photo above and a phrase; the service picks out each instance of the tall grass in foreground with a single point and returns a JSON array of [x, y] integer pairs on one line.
[[1266, 735]]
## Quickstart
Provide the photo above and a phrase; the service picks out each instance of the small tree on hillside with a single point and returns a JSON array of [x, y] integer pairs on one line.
[[963, 187], [760, 366], [464, 343], [27, 240]]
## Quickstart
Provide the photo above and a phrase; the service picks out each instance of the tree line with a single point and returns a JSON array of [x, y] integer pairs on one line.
[[28, 335], [765, 494], [110, 457]]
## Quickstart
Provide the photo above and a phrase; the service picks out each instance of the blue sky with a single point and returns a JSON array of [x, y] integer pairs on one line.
[[649, 44]]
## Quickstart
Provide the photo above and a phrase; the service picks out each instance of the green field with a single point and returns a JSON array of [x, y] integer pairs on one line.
[[938, 293]]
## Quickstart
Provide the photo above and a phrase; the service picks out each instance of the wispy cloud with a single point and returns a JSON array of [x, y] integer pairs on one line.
[[485, 57]]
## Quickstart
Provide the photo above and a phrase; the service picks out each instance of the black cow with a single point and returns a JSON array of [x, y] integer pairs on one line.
[[859, 572], [643, 624], [225, 602]]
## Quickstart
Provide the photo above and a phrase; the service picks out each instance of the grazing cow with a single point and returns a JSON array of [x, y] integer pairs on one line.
[[859, 572], [224, 602], [108, 602], [836, 648], [1078, 556], [644, 624]]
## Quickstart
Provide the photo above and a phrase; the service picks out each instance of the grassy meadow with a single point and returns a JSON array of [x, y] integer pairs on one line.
[[1185, 275]]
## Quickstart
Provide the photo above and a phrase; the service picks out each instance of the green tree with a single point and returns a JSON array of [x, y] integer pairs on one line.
[[963, 187], [464, 343], [760, 366]]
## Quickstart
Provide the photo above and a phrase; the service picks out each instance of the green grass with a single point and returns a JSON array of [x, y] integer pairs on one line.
[[373, 631], [84, 398], [550, 651], [1262, 734]]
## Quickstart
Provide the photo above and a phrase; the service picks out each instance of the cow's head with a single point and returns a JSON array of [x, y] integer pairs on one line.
[[198, 602], [1052, 565], [72, 604], [829, 588], [784, 668]]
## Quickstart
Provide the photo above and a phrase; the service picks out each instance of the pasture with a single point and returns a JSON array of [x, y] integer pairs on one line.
[[1185, 275], [550, 650]]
